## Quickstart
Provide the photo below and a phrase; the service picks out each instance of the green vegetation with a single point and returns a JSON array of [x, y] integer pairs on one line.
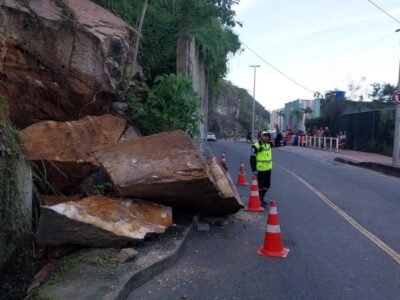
[[210, 22], [96, 257], [382, 92], [170, 104], [103, 188]]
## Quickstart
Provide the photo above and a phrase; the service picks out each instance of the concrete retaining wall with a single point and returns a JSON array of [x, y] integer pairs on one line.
[[191, 65]]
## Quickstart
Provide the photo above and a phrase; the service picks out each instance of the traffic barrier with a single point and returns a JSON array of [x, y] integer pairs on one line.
[[321, 143], [223, 161], [273, 244], [254, 203], [241, 180]]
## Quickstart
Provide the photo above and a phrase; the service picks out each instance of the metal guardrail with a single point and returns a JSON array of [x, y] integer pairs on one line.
[[321, 143]]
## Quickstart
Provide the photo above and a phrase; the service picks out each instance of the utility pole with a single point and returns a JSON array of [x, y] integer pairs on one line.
[[254, 100], [396, 143]]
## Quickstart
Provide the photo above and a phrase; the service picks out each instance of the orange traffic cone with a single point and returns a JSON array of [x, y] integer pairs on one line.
[[223, 161], [273, 245], [254, 198], [241, 180]]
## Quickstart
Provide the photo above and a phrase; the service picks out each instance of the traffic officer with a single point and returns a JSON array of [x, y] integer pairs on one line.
[[261, 164]]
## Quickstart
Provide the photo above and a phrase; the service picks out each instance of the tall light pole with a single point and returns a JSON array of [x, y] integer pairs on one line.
[[396, 142], [254, 100]]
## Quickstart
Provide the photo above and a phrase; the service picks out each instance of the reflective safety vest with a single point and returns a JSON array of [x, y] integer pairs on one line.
[[263, 157]]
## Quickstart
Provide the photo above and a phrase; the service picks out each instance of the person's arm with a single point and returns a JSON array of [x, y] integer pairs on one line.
[[253, 160]]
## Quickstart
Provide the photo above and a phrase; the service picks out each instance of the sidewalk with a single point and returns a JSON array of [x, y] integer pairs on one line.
[[372, 161]]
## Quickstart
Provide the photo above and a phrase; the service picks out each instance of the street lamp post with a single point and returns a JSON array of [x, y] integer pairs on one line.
[[254, 100], [396, 142]]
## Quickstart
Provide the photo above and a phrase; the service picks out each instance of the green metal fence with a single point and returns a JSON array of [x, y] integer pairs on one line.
[[371, 131]]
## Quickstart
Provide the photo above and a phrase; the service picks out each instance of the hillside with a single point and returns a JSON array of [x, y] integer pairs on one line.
[[231, 114]]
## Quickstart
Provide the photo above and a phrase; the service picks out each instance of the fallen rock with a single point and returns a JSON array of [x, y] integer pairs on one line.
[[50, 200], [130, 133], [203, 227], [216, 220], [167, 168], [62, 60], [126, 254], [100, 221], [62, 150]]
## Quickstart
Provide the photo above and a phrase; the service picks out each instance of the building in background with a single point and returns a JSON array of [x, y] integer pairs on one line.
[[295, 115], [277, 118], [335, 94], [286, 117]]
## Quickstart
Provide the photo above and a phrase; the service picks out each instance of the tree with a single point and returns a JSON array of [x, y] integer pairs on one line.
[[297, 113], [356, 90], [318, 95], [281, 114], [307, 111], [382, 92]]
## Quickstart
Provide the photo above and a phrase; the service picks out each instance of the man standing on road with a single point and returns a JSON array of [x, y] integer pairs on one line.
[[261, 164]]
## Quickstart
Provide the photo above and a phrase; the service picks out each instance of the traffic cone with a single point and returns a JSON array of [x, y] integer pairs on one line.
[[254, 198], [241, 180], [273, 245], [223, 161]]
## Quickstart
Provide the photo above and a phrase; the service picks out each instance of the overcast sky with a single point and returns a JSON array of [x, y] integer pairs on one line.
[[322, 44]]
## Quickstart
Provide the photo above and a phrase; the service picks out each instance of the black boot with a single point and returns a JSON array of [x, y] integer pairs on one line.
[[262, 195]]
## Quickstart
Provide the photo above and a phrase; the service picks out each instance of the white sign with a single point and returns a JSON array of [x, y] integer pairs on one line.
[[396, 97]]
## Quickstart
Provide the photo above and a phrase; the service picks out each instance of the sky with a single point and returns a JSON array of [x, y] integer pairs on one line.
[[321, 44]]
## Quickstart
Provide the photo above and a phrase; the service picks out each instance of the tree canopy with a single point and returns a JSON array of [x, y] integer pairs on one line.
[[211, 22], [382, 92]]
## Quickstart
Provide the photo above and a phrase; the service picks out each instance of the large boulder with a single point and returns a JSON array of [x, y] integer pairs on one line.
[[167, 168], [62, 60], [61, 151], [101, 221]]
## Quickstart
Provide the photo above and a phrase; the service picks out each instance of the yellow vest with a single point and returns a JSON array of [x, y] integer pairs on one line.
[[263, 157]]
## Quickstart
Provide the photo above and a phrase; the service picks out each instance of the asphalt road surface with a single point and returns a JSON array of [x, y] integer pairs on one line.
[[341, 224]]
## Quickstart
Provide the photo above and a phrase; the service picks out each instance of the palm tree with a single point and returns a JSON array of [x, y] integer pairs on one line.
[[281, 114], [297, 113], [307, 111]]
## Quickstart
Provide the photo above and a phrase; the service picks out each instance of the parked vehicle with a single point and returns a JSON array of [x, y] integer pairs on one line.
[[275, 137], [211, 137]]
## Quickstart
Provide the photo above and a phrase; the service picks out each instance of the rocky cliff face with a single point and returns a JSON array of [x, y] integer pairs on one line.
[[61, 60], [224, 116], [231, 115]]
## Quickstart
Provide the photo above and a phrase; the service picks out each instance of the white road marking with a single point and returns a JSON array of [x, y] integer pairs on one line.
[[378, 242]]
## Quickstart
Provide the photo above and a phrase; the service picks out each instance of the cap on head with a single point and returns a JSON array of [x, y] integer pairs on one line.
[[266, 133]]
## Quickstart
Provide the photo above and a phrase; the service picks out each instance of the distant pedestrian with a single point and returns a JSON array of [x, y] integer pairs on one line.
[[261, 164], [327, 132], [248, 137], [342, 140]]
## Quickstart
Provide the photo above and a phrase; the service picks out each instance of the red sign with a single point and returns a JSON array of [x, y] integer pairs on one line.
[[396, 97]]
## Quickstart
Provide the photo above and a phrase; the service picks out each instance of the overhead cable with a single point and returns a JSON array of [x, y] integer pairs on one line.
[[384, 11], [277, 70]]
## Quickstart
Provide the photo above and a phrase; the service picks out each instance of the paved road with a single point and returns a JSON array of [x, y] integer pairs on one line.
[[341, 224]]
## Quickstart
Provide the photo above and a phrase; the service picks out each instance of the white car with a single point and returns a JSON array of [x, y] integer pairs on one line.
[[211, 137]]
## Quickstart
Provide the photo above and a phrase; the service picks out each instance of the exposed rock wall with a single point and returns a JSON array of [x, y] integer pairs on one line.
[[61, 60], [224, 117], [231, 115]]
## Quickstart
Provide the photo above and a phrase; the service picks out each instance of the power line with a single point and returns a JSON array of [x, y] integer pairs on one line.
[[384, 11], [277, 70]]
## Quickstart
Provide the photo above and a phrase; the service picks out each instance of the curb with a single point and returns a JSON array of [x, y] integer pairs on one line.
[[385, 169], [142, 276]]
